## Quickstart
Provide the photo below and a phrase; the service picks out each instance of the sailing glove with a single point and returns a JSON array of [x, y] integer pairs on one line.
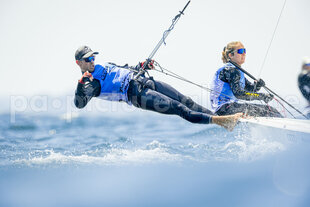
[[267, 97], [260, 83], [87, 77], [148, 66]]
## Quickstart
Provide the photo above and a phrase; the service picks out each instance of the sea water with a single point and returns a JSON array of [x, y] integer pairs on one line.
[[147, 159]]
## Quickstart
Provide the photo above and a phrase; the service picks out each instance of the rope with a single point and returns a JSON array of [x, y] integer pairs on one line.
[[174, 21], [283, 108]]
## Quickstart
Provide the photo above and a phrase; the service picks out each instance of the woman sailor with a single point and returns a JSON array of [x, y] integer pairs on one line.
[[230, 87]]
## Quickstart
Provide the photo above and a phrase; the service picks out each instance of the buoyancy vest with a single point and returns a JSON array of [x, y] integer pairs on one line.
[[114, 81], [221, 91]]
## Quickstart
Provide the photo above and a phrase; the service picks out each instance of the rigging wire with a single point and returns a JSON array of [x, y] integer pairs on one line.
[[272, 38], [267, 52]]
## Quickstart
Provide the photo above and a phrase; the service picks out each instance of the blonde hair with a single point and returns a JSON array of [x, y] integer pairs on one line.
[[229, 48]]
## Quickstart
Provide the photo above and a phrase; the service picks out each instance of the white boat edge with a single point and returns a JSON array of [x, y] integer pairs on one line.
[[299, 125]]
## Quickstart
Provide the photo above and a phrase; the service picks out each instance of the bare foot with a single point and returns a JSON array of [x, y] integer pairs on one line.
[[228, 122]]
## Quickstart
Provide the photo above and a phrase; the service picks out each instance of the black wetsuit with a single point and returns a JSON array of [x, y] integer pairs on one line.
[[304, 86], [149, 94], [232, 76]]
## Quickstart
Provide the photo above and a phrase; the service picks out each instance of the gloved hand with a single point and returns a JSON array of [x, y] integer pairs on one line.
[[149, 66], [267, 97], [87, 76], [260, 83]]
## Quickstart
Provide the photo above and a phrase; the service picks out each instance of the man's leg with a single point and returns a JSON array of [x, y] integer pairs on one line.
[[172, 93], [152, 100], [158, 102]]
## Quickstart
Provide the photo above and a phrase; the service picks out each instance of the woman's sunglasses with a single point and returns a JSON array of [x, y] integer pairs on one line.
[[241, 51]]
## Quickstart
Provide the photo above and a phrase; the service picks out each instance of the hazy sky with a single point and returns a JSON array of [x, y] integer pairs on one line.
[[39, 39]]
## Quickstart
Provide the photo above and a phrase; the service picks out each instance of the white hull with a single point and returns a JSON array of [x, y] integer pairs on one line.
[[296, 125]]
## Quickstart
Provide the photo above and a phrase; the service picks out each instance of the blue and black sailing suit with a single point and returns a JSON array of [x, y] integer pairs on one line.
[[229, 86], [304, 86], [116, 83]]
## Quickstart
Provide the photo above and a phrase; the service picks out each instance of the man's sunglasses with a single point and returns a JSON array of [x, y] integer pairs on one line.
[[241, 51], [89, 59]]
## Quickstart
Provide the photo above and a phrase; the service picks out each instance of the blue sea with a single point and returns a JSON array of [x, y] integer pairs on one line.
[[140, 158]]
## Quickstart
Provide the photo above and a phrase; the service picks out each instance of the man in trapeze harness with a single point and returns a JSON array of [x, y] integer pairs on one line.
[[304, 82], [230, 86], [117, 83]]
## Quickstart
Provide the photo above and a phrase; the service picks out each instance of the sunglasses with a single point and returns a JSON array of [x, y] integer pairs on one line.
[[241, 51], [89, 59]]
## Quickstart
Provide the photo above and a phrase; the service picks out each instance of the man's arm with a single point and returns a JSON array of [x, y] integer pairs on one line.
[[86, 89]]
